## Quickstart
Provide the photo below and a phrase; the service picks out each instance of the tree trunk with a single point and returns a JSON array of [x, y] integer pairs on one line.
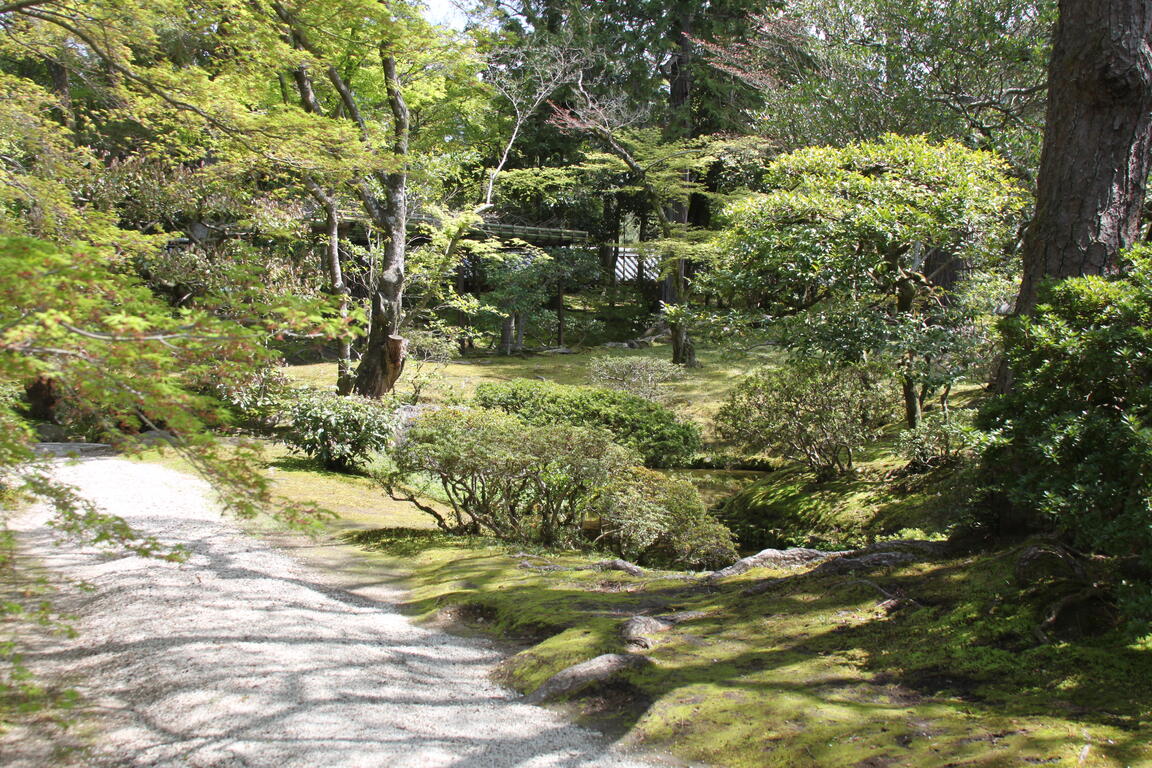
[[336, 279], [43, 395], [560, 317], [383, 358], [1097, 137], [912, 411], [334, 269], [683, 349], [507, 334]]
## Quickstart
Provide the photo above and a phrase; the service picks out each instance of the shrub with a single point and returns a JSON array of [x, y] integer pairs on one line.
[[808, 412], [258, 401], [641, 376], [940, 439], [428, 353], [650, 429], [1075, 454], [504, 477], [652, 519], [342, 433]]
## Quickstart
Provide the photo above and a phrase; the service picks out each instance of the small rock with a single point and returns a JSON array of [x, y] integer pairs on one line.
[[682, 616], [157, 436], [865, 562], [637, 631], [1045, 563], [797, 557], [619, 565], [579, 676]]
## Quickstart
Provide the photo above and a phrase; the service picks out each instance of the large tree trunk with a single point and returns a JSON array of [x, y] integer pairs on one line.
[[383, 358], [1097, 135]]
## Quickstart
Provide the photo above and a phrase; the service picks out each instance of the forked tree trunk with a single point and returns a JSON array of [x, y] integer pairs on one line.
[[1097, 137], [384, 354]]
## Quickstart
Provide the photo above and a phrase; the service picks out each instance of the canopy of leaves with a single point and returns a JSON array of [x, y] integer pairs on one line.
[[855, 221]]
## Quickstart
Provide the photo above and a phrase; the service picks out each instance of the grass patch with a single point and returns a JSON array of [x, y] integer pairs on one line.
[[697, 396]]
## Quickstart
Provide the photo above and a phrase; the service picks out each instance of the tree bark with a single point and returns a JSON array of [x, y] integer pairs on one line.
[[338, 287], [507, 334], [383, 358], [1097, 137], [333, 267]]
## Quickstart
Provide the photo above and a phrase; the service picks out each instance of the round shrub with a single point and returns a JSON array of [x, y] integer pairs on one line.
[[650, 429], [507, 478], [257, 401], [641, 376], [653, 519], [814, 413], [940, 440], [343, 433]]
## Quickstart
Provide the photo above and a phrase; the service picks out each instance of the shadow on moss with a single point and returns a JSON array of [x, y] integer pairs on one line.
[[408, 542]]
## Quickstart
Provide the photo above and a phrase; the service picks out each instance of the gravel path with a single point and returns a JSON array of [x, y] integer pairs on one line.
[[242, 656]]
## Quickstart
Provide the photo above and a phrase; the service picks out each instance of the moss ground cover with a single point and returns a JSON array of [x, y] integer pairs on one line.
[[780, 668]]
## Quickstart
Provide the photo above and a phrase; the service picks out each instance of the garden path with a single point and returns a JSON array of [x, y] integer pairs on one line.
[[243, 655]]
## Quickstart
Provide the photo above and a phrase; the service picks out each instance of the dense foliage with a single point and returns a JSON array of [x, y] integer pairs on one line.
[[646, 427], [646, 377], [814, 413], [868, 241], [1075, 449], [650, 518], [509, 479], [343, 433]]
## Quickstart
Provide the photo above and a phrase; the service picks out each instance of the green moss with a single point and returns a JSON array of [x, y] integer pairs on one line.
[[813, 669], [790, 508]]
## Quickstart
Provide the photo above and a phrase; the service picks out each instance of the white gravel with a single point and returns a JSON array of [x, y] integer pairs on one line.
[[243, 656]]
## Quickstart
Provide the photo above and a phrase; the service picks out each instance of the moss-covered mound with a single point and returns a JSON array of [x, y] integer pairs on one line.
[[930, 662]]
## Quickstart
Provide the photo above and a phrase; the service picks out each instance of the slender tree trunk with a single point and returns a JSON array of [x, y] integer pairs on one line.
[[519, 346], [1097, 138], [906, 293], [507, 334], [680, 126], [336, 280], [334, 269], [560, 317], [912, 411]]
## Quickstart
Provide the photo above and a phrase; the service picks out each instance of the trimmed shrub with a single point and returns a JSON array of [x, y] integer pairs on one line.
[[342, 433], [653, 519], [650, 429], [513, 480], [813, 413], [641, 376]]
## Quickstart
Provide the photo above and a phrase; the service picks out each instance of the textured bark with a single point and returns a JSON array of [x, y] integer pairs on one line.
[[1094, 165], [383, 359]]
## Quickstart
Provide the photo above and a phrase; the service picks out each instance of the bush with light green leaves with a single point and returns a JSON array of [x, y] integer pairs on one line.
[[343, 433]]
